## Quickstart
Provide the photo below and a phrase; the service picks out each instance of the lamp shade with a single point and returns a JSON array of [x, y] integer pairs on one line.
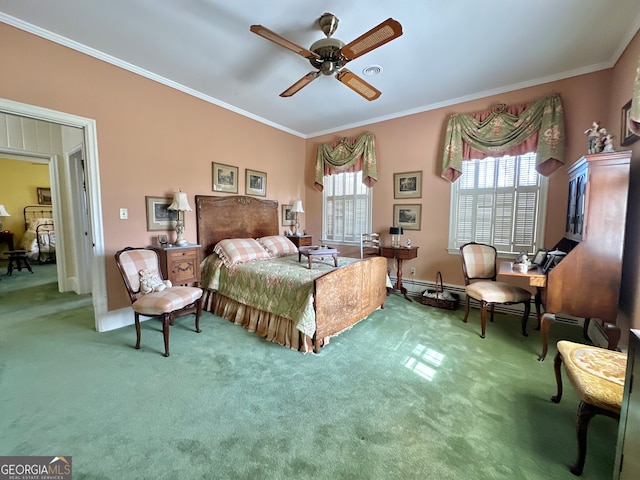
[[395, 231], [297, 207], [3, 212], [180, 202]]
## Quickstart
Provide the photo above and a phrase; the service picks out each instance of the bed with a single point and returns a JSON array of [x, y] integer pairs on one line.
[[339, 296], [39, 239]]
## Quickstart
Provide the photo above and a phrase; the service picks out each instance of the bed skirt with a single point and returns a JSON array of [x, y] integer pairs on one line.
[[274, 328]]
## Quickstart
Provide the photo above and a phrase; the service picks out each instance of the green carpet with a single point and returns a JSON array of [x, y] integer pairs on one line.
[[411, 392]]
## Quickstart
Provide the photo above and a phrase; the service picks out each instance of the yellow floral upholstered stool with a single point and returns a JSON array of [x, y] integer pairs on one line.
[[597, 374]]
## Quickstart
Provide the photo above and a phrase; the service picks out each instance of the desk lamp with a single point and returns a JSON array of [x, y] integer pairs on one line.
[[395, 231], [297, 208], [3, 213], [180, 204]]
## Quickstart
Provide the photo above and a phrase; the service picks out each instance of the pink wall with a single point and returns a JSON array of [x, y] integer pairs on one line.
[[416, 143], [154, 140]]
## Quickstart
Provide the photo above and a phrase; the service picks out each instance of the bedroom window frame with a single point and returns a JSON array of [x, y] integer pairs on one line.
[[507, 188], [343, 198]]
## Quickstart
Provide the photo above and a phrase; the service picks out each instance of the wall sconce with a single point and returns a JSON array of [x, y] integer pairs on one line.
[[180, 204], [297, 208], [3, 213], [395, 242]]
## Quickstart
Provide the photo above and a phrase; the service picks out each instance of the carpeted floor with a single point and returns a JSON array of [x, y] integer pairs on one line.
[[411, 392]]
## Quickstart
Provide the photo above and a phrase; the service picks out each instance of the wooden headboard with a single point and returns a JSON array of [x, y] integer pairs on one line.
[[235, 216]]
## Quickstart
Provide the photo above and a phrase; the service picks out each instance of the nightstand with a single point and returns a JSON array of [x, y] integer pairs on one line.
[[181, 265], [302, 240]]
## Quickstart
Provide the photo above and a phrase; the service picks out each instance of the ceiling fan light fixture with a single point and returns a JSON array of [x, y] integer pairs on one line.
[[372, 70]]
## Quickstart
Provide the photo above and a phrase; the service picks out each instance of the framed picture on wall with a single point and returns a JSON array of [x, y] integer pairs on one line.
[[44, 196], [225, 178], [288, 216], [407, 185], [407, 216], [159, 217], [255, 183], [627, 137]]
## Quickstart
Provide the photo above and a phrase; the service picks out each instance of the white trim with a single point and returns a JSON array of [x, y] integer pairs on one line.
[[99, 278]]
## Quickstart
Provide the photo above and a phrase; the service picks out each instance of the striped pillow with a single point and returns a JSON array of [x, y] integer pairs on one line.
[[239, 250], [278, 245]]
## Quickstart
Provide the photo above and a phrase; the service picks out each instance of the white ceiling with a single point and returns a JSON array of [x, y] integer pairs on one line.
[[450, 51]]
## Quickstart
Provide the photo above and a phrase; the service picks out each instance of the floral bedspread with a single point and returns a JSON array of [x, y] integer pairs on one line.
[[282, 286]]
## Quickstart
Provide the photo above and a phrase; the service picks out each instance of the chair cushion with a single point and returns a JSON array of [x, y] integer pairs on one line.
[[597, 374], [497, 292], [166, 301]]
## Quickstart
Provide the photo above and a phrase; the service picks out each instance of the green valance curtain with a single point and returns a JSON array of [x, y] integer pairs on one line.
[[634, 113], [347, 155], [507, 130]]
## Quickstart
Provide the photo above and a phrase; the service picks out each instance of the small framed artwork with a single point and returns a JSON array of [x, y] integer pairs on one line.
[[162, 240], [44, 196], [288, 216], [159, 217], [407, 185], [627, 137], [407, 216], [224, 178], [255, 183], [540, 257]]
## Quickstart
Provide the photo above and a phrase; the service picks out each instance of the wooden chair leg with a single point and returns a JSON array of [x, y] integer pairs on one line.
[[525, 317], [557, 367], [466, 310], [483, 317], [137, 320], [166, 320], [585, 414], [492, 311], [198, 312]]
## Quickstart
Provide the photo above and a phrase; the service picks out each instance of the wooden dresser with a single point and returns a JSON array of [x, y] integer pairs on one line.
[[586, 283]]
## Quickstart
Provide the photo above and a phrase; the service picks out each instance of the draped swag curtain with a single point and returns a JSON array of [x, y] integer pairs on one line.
[[507, 130], [634, 113], [347, 155]]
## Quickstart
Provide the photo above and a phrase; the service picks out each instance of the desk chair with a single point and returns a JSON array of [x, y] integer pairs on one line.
[[479, 268], [167, 304], [369, 244], [597, 374]]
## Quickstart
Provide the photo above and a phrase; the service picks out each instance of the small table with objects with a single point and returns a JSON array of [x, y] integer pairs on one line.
[[320, 252]]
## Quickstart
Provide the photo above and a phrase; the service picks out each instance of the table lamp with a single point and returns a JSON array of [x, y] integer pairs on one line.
[[297, 208], [395, 231], [3, 213], [180, 204]]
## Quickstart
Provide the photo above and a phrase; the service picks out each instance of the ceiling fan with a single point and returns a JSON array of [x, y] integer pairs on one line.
[[330, 55]]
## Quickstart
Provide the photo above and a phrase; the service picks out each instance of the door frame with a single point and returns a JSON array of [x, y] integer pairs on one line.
[[88, 126]]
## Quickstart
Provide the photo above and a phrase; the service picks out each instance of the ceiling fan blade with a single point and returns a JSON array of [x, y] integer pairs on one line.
[[300, 84], [283, 42], [374, 38], [358, 85]]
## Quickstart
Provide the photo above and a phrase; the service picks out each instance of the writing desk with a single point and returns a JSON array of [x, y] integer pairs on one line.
[[536, 279], [400, 254]]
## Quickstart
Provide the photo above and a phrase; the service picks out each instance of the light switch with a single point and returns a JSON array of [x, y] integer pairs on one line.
[[124, 213]]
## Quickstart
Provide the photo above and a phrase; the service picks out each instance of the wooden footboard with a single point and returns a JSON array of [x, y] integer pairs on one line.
[[347, 295]]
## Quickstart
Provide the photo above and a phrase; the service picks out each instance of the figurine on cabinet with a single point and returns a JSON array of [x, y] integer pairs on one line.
[[608, 143], [592, 136]]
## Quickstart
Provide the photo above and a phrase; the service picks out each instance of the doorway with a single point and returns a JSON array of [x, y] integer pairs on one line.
[[95, 252]]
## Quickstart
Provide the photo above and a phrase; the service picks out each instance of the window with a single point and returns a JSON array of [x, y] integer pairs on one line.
[[346, 211], [499, 201]]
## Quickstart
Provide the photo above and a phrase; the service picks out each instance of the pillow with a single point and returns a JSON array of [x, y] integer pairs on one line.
[[278, 246], [34, 223], [239, 250]]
